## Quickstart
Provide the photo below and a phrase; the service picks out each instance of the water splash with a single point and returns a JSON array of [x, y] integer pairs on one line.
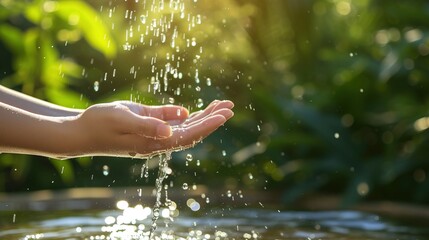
[[106, 170], [163, 171], [145, 169], [168, 26], [96, 86]]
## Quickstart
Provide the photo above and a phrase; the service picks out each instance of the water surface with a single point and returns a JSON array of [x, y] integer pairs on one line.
[[211, 224]]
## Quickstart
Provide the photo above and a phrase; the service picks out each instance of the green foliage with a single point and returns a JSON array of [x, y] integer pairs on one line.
[[330, 94], [350, 93], [32, 32]]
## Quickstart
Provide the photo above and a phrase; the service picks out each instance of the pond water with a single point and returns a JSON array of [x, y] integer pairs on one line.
[[210, 224]]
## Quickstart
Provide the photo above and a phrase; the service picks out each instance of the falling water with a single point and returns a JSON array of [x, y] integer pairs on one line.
[[163, 171], [164, 25]]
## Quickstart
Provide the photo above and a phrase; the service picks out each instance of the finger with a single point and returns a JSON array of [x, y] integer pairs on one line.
[[215, 105], [166, 113], [189, 136], [193, 114], [225, 112], [148, 126]]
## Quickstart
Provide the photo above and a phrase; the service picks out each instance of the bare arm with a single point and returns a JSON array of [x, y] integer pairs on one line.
[[34, 105], [28, 133], [120, 129]]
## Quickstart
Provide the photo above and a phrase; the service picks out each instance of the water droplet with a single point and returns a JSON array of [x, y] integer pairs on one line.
[[197, 78], [250, 176], [177, 92], [195, 206], [223, 153], [109, 220], [126, 46], [189, 157], [362, 189], [165, 213], [208, 82], [143, 19], [168, 171], [122, 204], [96, 86], [105, 170], [163, 37], [185, 186], [200, 103], [337, 135]]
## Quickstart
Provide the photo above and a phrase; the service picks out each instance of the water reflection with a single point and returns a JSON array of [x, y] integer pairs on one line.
[[211, 224]]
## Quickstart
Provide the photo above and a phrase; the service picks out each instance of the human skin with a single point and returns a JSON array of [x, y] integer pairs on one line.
[[121, 128]]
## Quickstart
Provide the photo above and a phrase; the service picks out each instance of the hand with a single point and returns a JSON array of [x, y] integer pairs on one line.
[[130, 129]]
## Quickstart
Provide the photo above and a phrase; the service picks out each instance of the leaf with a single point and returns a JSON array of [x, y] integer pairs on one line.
[[12, 37], [66, 98], [327, 127], [65, 170], [4, 13], [299, 190], [365, 175], [70, 68], [49, 64], [33, 12], [81, 15]]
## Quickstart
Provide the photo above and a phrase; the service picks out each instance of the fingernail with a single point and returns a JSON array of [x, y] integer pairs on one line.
[[230, 104], [163, 131]]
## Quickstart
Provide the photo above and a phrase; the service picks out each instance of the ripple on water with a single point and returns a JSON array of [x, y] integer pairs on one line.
[[135, 223]]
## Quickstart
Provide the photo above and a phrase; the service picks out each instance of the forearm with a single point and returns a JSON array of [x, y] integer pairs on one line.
[[34, 105], [28, 133]]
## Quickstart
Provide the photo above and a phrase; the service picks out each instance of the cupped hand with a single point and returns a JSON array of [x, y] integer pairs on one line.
[[130, 129]]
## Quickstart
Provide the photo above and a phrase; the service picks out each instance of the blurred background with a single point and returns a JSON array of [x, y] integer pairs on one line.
[[331, 95]]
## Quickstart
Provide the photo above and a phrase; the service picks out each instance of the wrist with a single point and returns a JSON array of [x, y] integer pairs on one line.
[[72, 137]]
